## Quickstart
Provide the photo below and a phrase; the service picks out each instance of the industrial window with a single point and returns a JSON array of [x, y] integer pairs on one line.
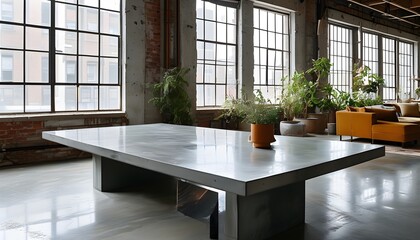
[[271, 51], [389, 63], [396, 58], [406, 70], [66, 56], [370, 50], [216, 53], [340, 54]]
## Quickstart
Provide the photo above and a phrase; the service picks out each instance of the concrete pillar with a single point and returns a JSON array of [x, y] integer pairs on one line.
[[135, 51], [246, 48], [188, 49], [298, 39]]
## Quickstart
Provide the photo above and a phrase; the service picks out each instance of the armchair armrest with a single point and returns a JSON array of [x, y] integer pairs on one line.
[[357, 124]]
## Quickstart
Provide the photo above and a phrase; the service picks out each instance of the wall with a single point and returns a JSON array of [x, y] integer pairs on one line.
[[21, 141]]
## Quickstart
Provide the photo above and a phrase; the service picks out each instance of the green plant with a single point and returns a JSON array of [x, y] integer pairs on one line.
[[260, 110], [298, 96], [333, 99], [418, 92], [365, 81], [361, 99], [171, 97], [320, 67], [233, 110]]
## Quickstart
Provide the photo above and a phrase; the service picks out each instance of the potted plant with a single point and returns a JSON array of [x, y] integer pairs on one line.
[[262, 115], [333, 100], [171, 97], [232, 113], [320, 69]]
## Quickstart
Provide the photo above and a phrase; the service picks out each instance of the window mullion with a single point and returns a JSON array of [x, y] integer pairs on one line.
[[52, 63]]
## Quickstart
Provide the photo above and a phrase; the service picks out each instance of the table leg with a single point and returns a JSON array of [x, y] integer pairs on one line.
[[110, 175], [262, 215]]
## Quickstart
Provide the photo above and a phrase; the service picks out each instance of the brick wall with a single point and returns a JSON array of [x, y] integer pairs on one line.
[[153, 40], [21, 138]]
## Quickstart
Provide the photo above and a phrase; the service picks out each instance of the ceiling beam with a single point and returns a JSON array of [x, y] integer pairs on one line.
[[392, 16], [415, 4]]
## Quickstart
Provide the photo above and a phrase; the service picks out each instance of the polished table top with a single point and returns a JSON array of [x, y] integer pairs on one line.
[[218, 158]]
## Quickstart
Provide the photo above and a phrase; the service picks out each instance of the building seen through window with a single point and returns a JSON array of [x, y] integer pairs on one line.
[[80, 71]]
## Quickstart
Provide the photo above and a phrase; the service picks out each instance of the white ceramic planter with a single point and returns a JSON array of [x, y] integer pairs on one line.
[[292, 128]]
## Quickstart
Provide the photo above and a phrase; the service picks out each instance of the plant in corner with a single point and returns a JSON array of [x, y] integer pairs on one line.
[[262, 115], [171, 97]]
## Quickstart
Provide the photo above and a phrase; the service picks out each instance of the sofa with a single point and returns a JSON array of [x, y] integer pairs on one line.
[[376, 124]]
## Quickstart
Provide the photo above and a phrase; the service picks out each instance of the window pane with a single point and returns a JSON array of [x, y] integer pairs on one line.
[[37, 98], [88, 70], [109, 46], [93, 3], [65, 98], [88, 98], [210, 11], [66, 42], [210, 92], [36, 67], [11, 10], [65, 68], [41, 36], [11, 66], [11, 98], [88, 44], [88, 19], [38, 12], [11, 36], [210, 31], [110, 22], [109, 70], [110, 98], [65, 16], [111, 4]]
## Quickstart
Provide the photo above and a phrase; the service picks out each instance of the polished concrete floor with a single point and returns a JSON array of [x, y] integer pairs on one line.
[[379, 199]]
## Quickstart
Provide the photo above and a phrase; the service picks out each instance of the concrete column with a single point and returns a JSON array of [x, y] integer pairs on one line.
[[134, 52], [188, 49], [246, 48], [298, 39]]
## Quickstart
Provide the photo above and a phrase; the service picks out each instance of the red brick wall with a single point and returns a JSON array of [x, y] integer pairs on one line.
[[21, 139], [153, 40]]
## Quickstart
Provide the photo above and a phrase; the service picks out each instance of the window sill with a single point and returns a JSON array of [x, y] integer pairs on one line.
[[59, 116]]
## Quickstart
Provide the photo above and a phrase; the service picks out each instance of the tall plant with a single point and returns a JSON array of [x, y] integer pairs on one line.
[[171, 97]]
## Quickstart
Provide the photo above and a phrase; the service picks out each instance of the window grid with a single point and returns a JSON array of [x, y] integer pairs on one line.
[[406, 71], [389, 64], [271, 52], [40, 70], [340, 54], [370, 50], [216, 53]]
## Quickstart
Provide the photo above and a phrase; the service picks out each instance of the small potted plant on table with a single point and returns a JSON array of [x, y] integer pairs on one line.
[[262, 115]]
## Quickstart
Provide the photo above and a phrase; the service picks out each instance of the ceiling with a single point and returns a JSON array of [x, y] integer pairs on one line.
[[400, 11]]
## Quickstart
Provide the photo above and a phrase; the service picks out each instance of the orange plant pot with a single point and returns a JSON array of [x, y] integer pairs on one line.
[[262, 135]]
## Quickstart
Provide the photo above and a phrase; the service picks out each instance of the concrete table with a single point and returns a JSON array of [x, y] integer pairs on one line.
[[264, 189]]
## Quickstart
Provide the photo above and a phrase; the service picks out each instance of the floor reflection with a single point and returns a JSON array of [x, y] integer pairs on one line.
[[379, 199]]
